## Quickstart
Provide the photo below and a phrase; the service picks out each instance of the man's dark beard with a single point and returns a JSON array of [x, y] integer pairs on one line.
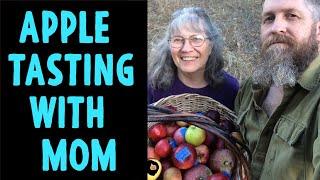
[[283, 66]]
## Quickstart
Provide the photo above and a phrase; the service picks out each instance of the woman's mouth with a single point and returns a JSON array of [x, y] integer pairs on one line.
[[188, 58]]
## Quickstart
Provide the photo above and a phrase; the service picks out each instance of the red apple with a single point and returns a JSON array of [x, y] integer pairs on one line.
[[152, 154], [202, 154], [171, 128], [222, 160], [195, 135], [220, 144], [214, 115], [163, 148], [179, 135], [166, 164], [197, 172], [172, 143], [184, 156], [157, 132], [172, 173], [227, 126], [218, 176], [210, 139], [237, 135]]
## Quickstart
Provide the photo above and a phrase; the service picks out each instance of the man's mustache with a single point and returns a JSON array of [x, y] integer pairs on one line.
[[277, 39]]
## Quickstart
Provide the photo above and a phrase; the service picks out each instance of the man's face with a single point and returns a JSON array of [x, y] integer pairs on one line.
[[288, 41], [291, 18]]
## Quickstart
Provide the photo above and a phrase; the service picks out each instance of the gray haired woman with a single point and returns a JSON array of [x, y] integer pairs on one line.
[[189, 59]]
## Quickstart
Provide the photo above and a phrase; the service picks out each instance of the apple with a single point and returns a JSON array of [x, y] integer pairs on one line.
[[218, 176], [172, 173], [166, 164], [182, 123], [237, 136], [184, 156], [157, 132], [152, 154], [171, 128], [227, 126], [179, 135], [172, 142], [214, 115], [210, 139], [220, 144], [197, 172], [222, 160], [195, 135], [202, 154], [163, 148]]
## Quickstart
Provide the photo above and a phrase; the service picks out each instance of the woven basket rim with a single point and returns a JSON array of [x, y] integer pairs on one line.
[[223, 109]]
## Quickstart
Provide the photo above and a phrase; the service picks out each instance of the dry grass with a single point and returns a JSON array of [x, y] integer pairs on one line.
[[239, 21]]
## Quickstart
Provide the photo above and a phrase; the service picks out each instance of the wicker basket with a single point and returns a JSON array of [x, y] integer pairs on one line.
[[187, 108]]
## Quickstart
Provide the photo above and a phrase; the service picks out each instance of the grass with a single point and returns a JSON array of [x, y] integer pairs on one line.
[[238, 20]]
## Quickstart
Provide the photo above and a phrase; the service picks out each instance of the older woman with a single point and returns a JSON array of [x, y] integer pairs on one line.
[[189, 60]]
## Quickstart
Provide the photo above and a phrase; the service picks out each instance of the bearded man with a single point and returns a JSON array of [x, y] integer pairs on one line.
[[279, 107]]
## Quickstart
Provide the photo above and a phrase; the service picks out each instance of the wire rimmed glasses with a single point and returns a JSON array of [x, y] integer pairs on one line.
[[194, 41]]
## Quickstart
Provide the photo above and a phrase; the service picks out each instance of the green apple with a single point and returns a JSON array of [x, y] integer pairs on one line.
[[195, 135]]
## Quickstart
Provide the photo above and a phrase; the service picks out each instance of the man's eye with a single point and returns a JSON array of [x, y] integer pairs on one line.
[[268, 19], [292, 16]]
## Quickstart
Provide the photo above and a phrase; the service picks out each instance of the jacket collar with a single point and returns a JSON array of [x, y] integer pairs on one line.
[[311, 76]]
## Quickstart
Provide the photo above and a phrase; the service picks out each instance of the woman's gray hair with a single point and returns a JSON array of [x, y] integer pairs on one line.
[[162, 70]]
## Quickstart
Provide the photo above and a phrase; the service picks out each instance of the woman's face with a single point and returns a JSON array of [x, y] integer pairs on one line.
[[192, 56]]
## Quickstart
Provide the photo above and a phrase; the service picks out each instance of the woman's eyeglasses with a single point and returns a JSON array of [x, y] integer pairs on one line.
[[194, 40]]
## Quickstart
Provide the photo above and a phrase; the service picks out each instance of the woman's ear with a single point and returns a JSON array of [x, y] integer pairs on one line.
[[318, 31], [318, 34]]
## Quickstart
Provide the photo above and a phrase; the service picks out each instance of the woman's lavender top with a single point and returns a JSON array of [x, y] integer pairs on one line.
[[225, 92]]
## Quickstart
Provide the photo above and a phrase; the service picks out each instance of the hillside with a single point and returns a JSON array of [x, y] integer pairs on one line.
[[239, 21]]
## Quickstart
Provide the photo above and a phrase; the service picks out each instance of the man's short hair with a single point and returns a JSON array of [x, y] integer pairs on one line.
[[315, 8]]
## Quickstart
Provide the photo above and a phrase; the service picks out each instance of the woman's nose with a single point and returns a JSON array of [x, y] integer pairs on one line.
[[186, 46]]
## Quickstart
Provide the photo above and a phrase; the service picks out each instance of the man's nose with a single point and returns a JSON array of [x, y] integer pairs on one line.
[[279, 26], [186, 46]]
